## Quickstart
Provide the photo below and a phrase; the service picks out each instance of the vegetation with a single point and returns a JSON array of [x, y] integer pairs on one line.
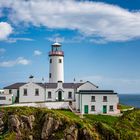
[[124, 107], [99, 127]]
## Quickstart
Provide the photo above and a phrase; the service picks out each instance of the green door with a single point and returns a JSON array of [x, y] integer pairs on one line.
[[104, 109], [86, 109], [59, 96]]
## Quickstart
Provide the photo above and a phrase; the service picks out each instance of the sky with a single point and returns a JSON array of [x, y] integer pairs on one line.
[[100, 39]]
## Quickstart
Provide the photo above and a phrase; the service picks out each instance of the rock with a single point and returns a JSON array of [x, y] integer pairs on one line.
[[84, 135], [1, 126], [71, 133], [14, 124], [30, 137], [27, 121], [50, 125]]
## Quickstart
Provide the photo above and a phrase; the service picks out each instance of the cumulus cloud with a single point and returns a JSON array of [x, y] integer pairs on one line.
[[13, 40], [96, 19], [18, 61], [37, 52], [5, 30]]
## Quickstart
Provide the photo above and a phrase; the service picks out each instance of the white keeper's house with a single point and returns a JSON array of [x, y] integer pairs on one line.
[[84, 97]]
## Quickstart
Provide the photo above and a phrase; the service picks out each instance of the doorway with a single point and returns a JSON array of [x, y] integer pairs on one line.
[[60, 96], [104, 109], [86, 109]]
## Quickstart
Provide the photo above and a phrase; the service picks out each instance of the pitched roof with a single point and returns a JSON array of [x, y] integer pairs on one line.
[[47, 85], [14, 86], [96, 92]]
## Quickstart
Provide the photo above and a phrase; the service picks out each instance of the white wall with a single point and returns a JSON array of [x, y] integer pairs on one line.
[[111, 100], [8, 99], [56, 69], [87, 86], [13, 92], [31, 93], [65, 93]]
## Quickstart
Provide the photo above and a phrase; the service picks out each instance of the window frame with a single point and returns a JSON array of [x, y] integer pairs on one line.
[[69, 93], [104, 98], [10, 91], [25, 93], [92, 107], [111, 109], [60, 60], [36, 92], [93, 99], [50, 75], [49, 95], [2, 98], [50, 61]]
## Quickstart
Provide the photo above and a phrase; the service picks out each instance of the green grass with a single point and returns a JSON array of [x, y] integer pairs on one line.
[[122, 107], [110, 120], [68, 114]]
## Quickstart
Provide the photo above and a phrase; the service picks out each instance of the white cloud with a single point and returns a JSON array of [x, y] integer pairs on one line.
[[5, 30], [37, 52], [18, 61], [13, 40], [2, 50], [96, 19]]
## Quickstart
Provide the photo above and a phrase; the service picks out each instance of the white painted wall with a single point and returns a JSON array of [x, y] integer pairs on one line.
[[1, 91], [31, 93], [8, 99], [13, 92], [54, 93], [87, 86], [56, 69], [85, 99]]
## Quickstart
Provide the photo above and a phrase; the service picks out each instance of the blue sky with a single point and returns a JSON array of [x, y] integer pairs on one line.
[[101, 41]]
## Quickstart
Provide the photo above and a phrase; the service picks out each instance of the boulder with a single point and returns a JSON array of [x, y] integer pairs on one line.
[[71, 133], [50, 125], [14, 124]]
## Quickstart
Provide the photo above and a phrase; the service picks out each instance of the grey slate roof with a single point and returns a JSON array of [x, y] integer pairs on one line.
[[96, 92], [47, 85], [14, 86]]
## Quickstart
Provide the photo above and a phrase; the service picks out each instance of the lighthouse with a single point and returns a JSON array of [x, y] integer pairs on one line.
[[56, 63]]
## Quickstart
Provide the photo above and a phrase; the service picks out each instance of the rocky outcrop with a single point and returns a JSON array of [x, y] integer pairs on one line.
[[50, 125], [1, 123], [71, 133], [21, 125], [14, 124], [85, 135], [41, 125], [27, 122]]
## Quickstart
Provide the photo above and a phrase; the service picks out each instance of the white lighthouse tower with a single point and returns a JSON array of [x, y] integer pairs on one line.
[[56, 71]]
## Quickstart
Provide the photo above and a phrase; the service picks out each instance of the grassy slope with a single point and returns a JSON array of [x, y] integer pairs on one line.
[[124, 127]]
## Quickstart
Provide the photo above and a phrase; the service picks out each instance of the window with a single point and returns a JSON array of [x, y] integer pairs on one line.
[[50, 75], [10, 91], [93, 108], [104, 98], [50, 60], [111, 108], [92, 98], [49, 95], [70, 95], [60, 60], [2, 98], [36, 92], [25, 92]]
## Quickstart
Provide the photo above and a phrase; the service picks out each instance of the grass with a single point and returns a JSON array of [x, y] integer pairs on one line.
[[123, 107], [110, 120], [68, 114]]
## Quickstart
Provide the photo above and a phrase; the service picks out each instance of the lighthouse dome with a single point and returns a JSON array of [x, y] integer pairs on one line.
[[56, 44]]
